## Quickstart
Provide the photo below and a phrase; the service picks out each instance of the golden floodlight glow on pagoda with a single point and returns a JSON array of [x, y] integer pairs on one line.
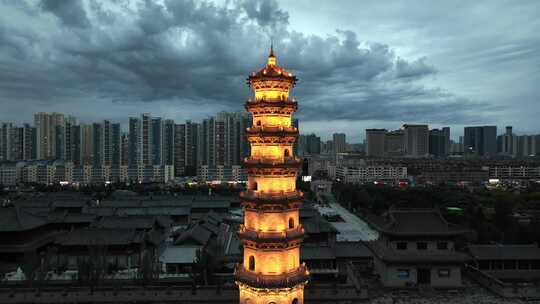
[[271, 233]]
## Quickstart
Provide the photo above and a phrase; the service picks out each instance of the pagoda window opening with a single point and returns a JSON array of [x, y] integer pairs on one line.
[[258, 123], [291, 223], [286, 153], [254, 186], [294, 301], [251, 263]]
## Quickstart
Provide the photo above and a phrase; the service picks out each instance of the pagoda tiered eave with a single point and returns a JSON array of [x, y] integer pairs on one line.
[[285, 280], [271, 239], [284, 105], [272, 135], [276, 201], [285, 162]]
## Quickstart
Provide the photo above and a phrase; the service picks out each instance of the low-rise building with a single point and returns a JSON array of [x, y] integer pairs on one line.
[[8, 174], [511, 271], [512, 173], [364, 174], [51, 172], [221, 173], [417, 247]]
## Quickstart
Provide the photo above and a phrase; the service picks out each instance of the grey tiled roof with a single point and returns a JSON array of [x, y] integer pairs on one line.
[[132, 222], [338, 250], [83, 237], [352, 250], [317, 253], [16, 219], [388, 254], [317, 224], [414, 222], [505, 252], [197, 233]]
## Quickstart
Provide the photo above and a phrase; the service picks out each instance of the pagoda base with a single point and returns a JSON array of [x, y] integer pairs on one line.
[[250, 295]]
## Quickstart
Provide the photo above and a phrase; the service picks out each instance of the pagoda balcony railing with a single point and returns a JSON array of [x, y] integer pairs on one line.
[[283, 280], [270, 162], [271, 129], [270, 236], [271, 195], [272, 100]]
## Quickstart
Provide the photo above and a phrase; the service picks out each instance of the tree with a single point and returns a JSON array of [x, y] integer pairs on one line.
[[31, 266], [93, 268], [148, 268], [208, 260]]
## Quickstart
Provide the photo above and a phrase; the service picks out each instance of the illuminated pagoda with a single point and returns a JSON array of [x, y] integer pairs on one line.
[[271, 233]]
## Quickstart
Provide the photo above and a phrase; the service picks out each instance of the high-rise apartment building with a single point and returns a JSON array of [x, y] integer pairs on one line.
[[68, 141], [157, 141], [42, 122], [192, 144], [124, 150], [309, 145], [98, 151], [339, 142], [29, 142], [480, 141], [179, 149], [507, 143], [438, 143], [87, 145], [141, 148], [133, 139], [394, 143], [446, 133], [51, 134], [116, 144], [375, 140], [416, 140], [168, 142], [16, 143], [207, 149], [5, 141], [75, 144], [145, 156]]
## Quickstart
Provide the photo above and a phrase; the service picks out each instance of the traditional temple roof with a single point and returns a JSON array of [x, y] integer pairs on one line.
[[15, 219], [390, 255], [316, 225], [272, 70], [505, 252], [345, 250], [83, 237], [133, 222], [196, 234], [414, 222]]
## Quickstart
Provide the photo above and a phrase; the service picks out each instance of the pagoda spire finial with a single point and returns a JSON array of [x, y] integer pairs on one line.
[[271, 57]]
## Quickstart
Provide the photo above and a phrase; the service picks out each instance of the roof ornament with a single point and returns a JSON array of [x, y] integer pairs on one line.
[[271, 48], [271, 56]]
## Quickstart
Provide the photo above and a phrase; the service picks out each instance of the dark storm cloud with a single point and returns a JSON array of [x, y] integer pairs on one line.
[[414, 69], [199, 53], [266, 13], [70, 13]]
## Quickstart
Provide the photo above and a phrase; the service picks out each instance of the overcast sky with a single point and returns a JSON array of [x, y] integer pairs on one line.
[[361, 64]]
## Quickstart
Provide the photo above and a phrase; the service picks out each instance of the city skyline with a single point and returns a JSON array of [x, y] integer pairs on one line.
[[455, 134], [380, 71]]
